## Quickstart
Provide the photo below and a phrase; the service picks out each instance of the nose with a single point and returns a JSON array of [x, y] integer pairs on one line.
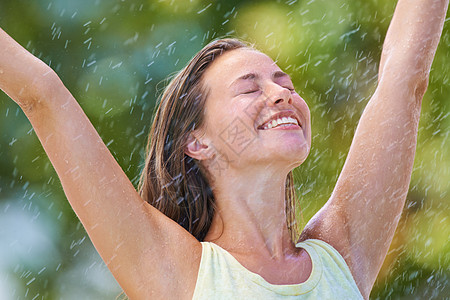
[[277, 94]]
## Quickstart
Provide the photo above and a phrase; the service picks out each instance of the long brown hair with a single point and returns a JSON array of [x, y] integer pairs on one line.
[[172, 181]]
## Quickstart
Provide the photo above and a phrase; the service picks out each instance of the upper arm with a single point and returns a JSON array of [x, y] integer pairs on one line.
[[362, 213], [145, 250]]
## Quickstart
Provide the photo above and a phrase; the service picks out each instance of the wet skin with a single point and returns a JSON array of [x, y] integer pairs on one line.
[[247, 90]]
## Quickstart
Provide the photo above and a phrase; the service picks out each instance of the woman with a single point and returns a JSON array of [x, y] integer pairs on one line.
[[229, 130]]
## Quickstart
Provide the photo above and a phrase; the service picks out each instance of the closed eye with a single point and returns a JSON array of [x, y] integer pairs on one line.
[[290, 88], [249, 92]]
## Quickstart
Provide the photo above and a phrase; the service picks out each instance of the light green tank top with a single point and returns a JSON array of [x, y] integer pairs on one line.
[[221, 276]]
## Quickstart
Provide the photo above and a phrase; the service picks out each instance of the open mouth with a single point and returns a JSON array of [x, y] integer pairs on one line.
[[281, 120]]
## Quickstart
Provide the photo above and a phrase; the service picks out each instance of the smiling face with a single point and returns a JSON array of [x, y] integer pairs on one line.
[[253, 116]]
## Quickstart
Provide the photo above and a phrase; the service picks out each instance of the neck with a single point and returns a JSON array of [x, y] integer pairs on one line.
[[250, 213]]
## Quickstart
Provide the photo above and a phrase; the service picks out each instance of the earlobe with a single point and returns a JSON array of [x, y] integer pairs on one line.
[[196, 149]]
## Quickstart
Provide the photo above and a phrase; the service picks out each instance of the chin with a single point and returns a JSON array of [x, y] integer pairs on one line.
[[298, 155], [292, 147], [293, 153]]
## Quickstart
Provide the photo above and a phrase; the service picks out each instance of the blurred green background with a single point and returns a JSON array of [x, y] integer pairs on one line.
[[113, 56]]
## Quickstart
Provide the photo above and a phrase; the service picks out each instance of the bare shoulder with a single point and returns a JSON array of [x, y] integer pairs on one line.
[[329, 224], [167, 270]]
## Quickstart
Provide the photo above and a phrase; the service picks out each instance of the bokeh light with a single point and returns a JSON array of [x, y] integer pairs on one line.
[[114, 56]]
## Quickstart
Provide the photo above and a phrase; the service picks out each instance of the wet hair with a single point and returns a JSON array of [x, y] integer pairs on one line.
[[172, 181]]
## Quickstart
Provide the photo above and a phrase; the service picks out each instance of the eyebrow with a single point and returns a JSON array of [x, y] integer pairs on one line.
[[279, 74], [252, 76]]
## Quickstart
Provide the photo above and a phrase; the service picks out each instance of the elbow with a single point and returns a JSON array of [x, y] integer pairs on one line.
[[412, 83], [420, 87], [406, 73], [40, 90]]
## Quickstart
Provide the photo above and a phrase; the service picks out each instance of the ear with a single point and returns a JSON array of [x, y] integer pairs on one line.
[[197, 149]]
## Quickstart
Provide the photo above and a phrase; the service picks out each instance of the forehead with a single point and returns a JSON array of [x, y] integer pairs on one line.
[[239, 62]]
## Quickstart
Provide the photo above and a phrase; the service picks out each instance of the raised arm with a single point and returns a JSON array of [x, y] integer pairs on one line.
[[361, 216], [144, 249]]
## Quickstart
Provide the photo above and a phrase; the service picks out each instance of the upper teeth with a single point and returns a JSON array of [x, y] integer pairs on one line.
[[283, 120]]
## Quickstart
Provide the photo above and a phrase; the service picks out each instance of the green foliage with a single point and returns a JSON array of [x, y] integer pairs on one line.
[[113, 57]]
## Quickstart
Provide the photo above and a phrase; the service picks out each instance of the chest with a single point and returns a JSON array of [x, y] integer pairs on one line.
[[293, 270]]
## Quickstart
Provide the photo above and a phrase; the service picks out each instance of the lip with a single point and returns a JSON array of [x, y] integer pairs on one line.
[[281, 114], [288, 127]]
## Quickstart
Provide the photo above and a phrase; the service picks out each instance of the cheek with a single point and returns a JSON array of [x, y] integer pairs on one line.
[[217, 120], [303, 107], [300, 101]]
